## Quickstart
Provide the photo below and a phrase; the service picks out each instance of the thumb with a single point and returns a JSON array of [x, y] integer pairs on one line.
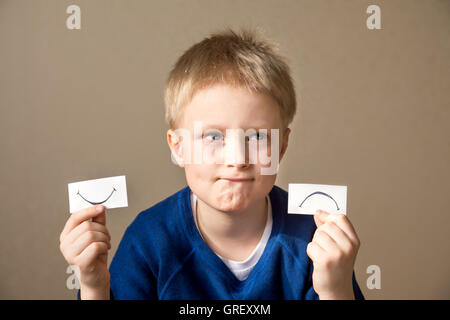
[[320, 217], [101, 217]]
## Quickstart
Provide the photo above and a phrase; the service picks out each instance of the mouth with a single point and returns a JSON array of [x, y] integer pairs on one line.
[[238, 179]]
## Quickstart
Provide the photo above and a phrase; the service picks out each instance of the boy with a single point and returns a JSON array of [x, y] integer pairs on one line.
[[226, 235]]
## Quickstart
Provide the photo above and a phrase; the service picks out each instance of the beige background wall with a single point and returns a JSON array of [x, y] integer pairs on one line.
[[374, 112]]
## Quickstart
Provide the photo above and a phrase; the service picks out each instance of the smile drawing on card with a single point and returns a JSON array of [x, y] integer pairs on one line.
[[100, 202]]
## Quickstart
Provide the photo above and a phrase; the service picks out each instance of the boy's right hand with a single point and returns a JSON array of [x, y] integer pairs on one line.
[[85, 244]]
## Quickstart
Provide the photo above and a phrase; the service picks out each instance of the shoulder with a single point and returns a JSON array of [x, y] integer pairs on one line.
[[164, 209], [161, 222]]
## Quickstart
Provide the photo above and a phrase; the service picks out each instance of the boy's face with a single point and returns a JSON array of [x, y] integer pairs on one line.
[[217, 109]]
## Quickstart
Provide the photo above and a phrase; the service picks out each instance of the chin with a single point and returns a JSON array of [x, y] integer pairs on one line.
[[232, 208], [232, 202]]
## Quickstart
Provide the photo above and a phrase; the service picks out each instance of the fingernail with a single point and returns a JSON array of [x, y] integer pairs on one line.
[[318, 211], [99, 208]]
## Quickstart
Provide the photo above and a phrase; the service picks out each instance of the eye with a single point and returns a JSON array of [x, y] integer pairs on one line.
[[213, 136], [259, 136]]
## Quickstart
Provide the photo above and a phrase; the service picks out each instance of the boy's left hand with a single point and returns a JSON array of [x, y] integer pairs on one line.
[[333, 252]]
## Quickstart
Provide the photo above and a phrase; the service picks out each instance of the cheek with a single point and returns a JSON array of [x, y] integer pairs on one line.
[[199, 173], [265, 183], [212, 153], [260, 153]]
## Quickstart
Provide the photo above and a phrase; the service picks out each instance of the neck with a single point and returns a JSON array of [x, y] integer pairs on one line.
[[217, 226]]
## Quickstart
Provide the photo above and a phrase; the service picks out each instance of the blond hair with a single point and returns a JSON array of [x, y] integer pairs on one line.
[[241, 60]]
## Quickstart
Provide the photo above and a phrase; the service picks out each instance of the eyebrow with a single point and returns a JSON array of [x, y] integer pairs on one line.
[[219, 127]]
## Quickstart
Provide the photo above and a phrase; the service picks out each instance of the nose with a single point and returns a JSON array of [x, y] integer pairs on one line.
[[235, 150]]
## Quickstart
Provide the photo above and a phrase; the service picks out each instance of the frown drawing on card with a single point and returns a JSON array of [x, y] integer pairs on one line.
[[306, 198]]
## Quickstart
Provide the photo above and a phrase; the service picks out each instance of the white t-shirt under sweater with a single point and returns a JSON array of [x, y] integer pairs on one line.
[[241, 269]]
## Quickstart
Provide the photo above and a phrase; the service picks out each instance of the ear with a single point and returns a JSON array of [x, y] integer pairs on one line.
[[176, 148], [285, 142]]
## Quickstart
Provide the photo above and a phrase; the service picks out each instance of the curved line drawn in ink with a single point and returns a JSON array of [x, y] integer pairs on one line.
[[94, 203], [322, 193]]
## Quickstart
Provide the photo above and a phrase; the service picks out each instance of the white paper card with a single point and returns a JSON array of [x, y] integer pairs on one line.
[[306, 198], [110, 192]]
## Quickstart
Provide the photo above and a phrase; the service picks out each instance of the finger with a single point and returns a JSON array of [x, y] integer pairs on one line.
[[345, 225], [85, 227], [92, 252], [339, 236], [101, 218], [77, 217], [325, 241], [315, 252], [320, 217], [84, 240]]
